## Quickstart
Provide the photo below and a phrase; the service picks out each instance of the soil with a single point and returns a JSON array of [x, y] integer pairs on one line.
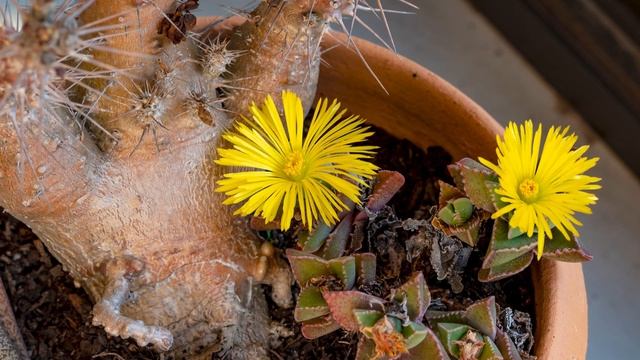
[[55, 316]]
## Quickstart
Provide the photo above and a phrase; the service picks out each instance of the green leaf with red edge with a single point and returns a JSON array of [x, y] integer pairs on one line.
[[504, 271], [506, 346], [481, 315], [365, 267], [562, 249], [435, 317], [344, 268], [366, 317], [388, 183], [336, 243], [414, 333], [449, 333], [490, 351], [343, 303], [313, 241], [417, 295], [306, 266], [310, 304], [447, 192], [316, 328], [467, 232], [430, 348], [503, 250], [474, 177]]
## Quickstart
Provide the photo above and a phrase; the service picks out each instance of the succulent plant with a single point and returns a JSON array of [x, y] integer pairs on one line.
[[389, 329], [331, 242], [458, 215], [510, 251], [315, 276], [473, 334]]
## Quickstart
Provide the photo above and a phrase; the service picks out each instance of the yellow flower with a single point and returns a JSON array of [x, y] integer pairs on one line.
[[292, 168], [543, 189]]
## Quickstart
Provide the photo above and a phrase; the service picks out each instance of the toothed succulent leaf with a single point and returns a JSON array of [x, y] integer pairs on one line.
[[367, 318], [387, 185], [312, 241], [565, 249], [472, 177], [511, 251], [365, 268], [310, 304], [414, 333], [430, 348], [482, 316], [474, 332], [319, 327], [307, 267], [342, 305], [336, 242], [457, 215], [417, 296]]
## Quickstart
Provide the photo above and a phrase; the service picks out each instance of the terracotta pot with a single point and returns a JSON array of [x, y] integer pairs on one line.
[[427, 110]]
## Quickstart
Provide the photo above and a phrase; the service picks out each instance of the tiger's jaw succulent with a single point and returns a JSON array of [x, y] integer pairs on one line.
[[473, 334], [510, 250]]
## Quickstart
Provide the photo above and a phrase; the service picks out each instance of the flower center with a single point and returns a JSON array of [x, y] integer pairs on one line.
[[293, 165], [529, 189]]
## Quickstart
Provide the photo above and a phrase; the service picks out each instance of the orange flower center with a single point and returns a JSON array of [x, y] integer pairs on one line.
[[529, 189], [293, 165]]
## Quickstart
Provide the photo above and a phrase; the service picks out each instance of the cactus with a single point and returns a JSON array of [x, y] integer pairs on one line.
[[473, 334], [111, 112], [509, 250]]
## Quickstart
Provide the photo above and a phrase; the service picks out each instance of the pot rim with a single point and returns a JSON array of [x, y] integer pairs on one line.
[[445, 115]]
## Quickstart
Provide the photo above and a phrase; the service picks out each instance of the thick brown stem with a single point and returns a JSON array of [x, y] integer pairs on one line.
[[280, 47], [128, 45]]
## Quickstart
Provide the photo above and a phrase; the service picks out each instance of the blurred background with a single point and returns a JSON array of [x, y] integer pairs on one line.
[[573, 62]]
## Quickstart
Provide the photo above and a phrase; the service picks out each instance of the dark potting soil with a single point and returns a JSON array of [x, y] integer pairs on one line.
[[55, 317]]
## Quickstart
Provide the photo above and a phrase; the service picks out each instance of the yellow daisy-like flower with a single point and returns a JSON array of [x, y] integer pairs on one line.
[[292, 169], [543, 189]]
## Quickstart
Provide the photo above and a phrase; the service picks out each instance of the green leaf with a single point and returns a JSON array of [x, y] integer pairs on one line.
[[429, 349], [367, 318], [481, 315], [417, 295], [365, 267], [447, 193], [414, 333], [464, 208], [490, 351], [306, 266], [312, 242], [474, 177], [504, 253], [506, 346], [344, 268], [310, 305], [450, 333], [342, 305], [435, 317], [505, 270], [562, 249], [316, 328], [336, 243]]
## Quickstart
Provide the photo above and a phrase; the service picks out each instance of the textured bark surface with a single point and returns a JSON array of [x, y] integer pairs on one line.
[[127, 202]]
